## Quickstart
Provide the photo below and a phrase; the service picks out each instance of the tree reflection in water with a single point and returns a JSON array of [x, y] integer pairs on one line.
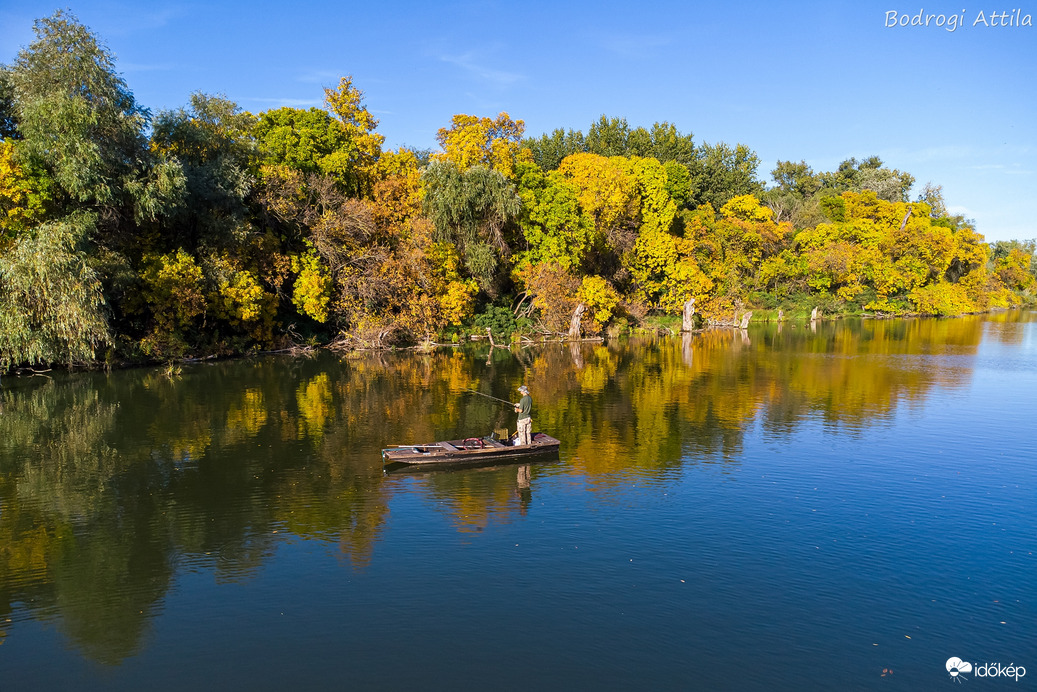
[[111, 484]]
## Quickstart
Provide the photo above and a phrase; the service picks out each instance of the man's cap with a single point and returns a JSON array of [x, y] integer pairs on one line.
[[524, 389]]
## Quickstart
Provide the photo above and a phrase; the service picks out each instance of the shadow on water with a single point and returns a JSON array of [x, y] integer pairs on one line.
[[112, 484]]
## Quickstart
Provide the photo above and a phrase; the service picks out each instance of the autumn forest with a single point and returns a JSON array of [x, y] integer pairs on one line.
[[129, 236]]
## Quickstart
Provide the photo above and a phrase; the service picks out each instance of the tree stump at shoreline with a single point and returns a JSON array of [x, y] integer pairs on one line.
[[688, 323], [574, 325]]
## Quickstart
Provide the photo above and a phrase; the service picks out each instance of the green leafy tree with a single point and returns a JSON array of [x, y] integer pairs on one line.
[[51, 306], [213, 141], [79, 122], [721, 172], [300, 139], [472, 210], [613, 137], [796, 178], [794, 198], [609, 137], [555, 227], [8, 123], [852, 175], [668, 144], [340, 143], [549, 150], [678, 182]]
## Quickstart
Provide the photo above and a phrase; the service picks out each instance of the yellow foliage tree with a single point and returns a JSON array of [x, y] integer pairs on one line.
[[457, 301], [600, 298], [397, 192], [173, 289], [666, 271], [240, 299], [607, 193], [734, 253], [911, 261], [657, 207], [312, 290], [23, 197], [490, 142], [347, 103], [1013, 270]]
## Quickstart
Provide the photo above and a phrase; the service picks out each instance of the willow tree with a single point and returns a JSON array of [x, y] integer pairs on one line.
[[51, 306], [78, 127], [472, 209], [79, 132], [77, 120]]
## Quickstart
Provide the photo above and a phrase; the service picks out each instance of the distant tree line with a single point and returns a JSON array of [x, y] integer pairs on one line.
[[210, 230]]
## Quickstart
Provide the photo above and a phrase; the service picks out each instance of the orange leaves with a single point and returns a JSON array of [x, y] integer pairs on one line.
[[554, 293], [396, 195]]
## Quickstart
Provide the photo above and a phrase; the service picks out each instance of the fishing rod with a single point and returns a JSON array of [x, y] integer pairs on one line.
[[491, 397]]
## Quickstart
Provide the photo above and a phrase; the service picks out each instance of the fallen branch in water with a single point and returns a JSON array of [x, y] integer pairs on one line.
[[32, 372]]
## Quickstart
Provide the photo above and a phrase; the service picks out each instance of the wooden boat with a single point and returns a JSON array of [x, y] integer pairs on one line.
[[472, 451]]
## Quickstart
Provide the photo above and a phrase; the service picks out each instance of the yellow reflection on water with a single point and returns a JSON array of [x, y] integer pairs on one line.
[[99, 505]]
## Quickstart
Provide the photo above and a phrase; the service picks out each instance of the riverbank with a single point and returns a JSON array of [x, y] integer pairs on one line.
[[652, 325]]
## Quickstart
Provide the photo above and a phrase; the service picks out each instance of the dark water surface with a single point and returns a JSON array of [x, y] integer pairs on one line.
[[840, 508]]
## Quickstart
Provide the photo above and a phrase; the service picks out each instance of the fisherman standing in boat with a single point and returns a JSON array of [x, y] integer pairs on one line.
[[525, 418]]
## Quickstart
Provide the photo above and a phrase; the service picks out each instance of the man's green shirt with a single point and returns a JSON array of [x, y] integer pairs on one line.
[[525, 407]]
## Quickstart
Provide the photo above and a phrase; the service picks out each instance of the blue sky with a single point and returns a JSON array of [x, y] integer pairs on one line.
[[817, 81]]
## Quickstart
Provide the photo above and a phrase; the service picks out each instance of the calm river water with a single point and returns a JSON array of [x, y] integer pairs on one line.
[[839, 507]]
